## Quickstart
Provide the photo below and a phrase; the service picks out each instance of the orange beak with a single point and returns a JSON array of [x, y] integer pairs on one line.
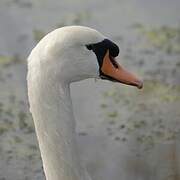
[[112, 69]]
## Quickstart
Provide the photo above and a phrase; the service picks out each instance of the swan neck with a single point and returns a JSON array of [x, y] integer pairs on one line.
[[55, 128]]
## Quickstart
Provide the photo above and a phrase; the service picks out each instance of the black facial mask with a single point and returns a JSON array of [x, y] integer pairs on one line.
[[101, 48]]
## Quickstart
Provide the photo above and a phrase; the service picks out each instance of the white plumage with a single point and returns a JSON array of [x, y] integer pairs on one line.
[[59, 59]]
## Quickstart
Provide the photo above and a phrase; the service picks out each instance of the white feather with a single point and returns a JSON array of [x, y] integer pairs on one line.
[[59, 59]]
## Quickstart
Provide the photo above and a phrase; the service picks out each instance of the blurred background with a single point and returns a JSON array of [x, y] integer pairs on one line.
[[123, 133]]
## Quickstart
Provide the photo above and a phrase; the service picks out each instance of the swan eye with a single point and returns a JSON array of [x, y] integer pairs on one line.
[[89, 46]]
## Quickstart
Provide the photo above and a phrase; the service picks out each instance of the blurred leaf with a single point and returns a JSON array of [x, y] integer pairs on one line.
[[113, 114]]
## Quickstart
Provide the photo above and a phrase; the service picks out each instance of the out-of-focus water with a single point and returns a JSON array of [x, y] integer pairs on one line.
[[124, 134], [19, 18]]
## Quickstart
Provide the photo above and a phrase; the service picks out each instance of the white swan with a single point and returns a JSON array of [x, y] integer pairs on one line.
[[63, 56]]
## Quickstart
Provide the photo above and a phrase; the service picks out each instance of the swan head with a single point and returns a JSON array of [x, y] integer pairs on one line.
[[74, 53]]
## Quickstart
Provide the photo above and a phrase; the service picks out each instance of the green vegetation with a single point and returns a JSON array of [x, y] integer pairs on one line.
[[5, 126], [151, 118], [15, 126], [17, 139], [103, 105], [5, 60], [163, 38], [113, 114]]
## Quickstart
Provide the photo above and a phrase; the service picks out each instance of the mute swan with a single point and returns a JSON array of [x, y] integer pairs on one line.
[[66, 55]]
